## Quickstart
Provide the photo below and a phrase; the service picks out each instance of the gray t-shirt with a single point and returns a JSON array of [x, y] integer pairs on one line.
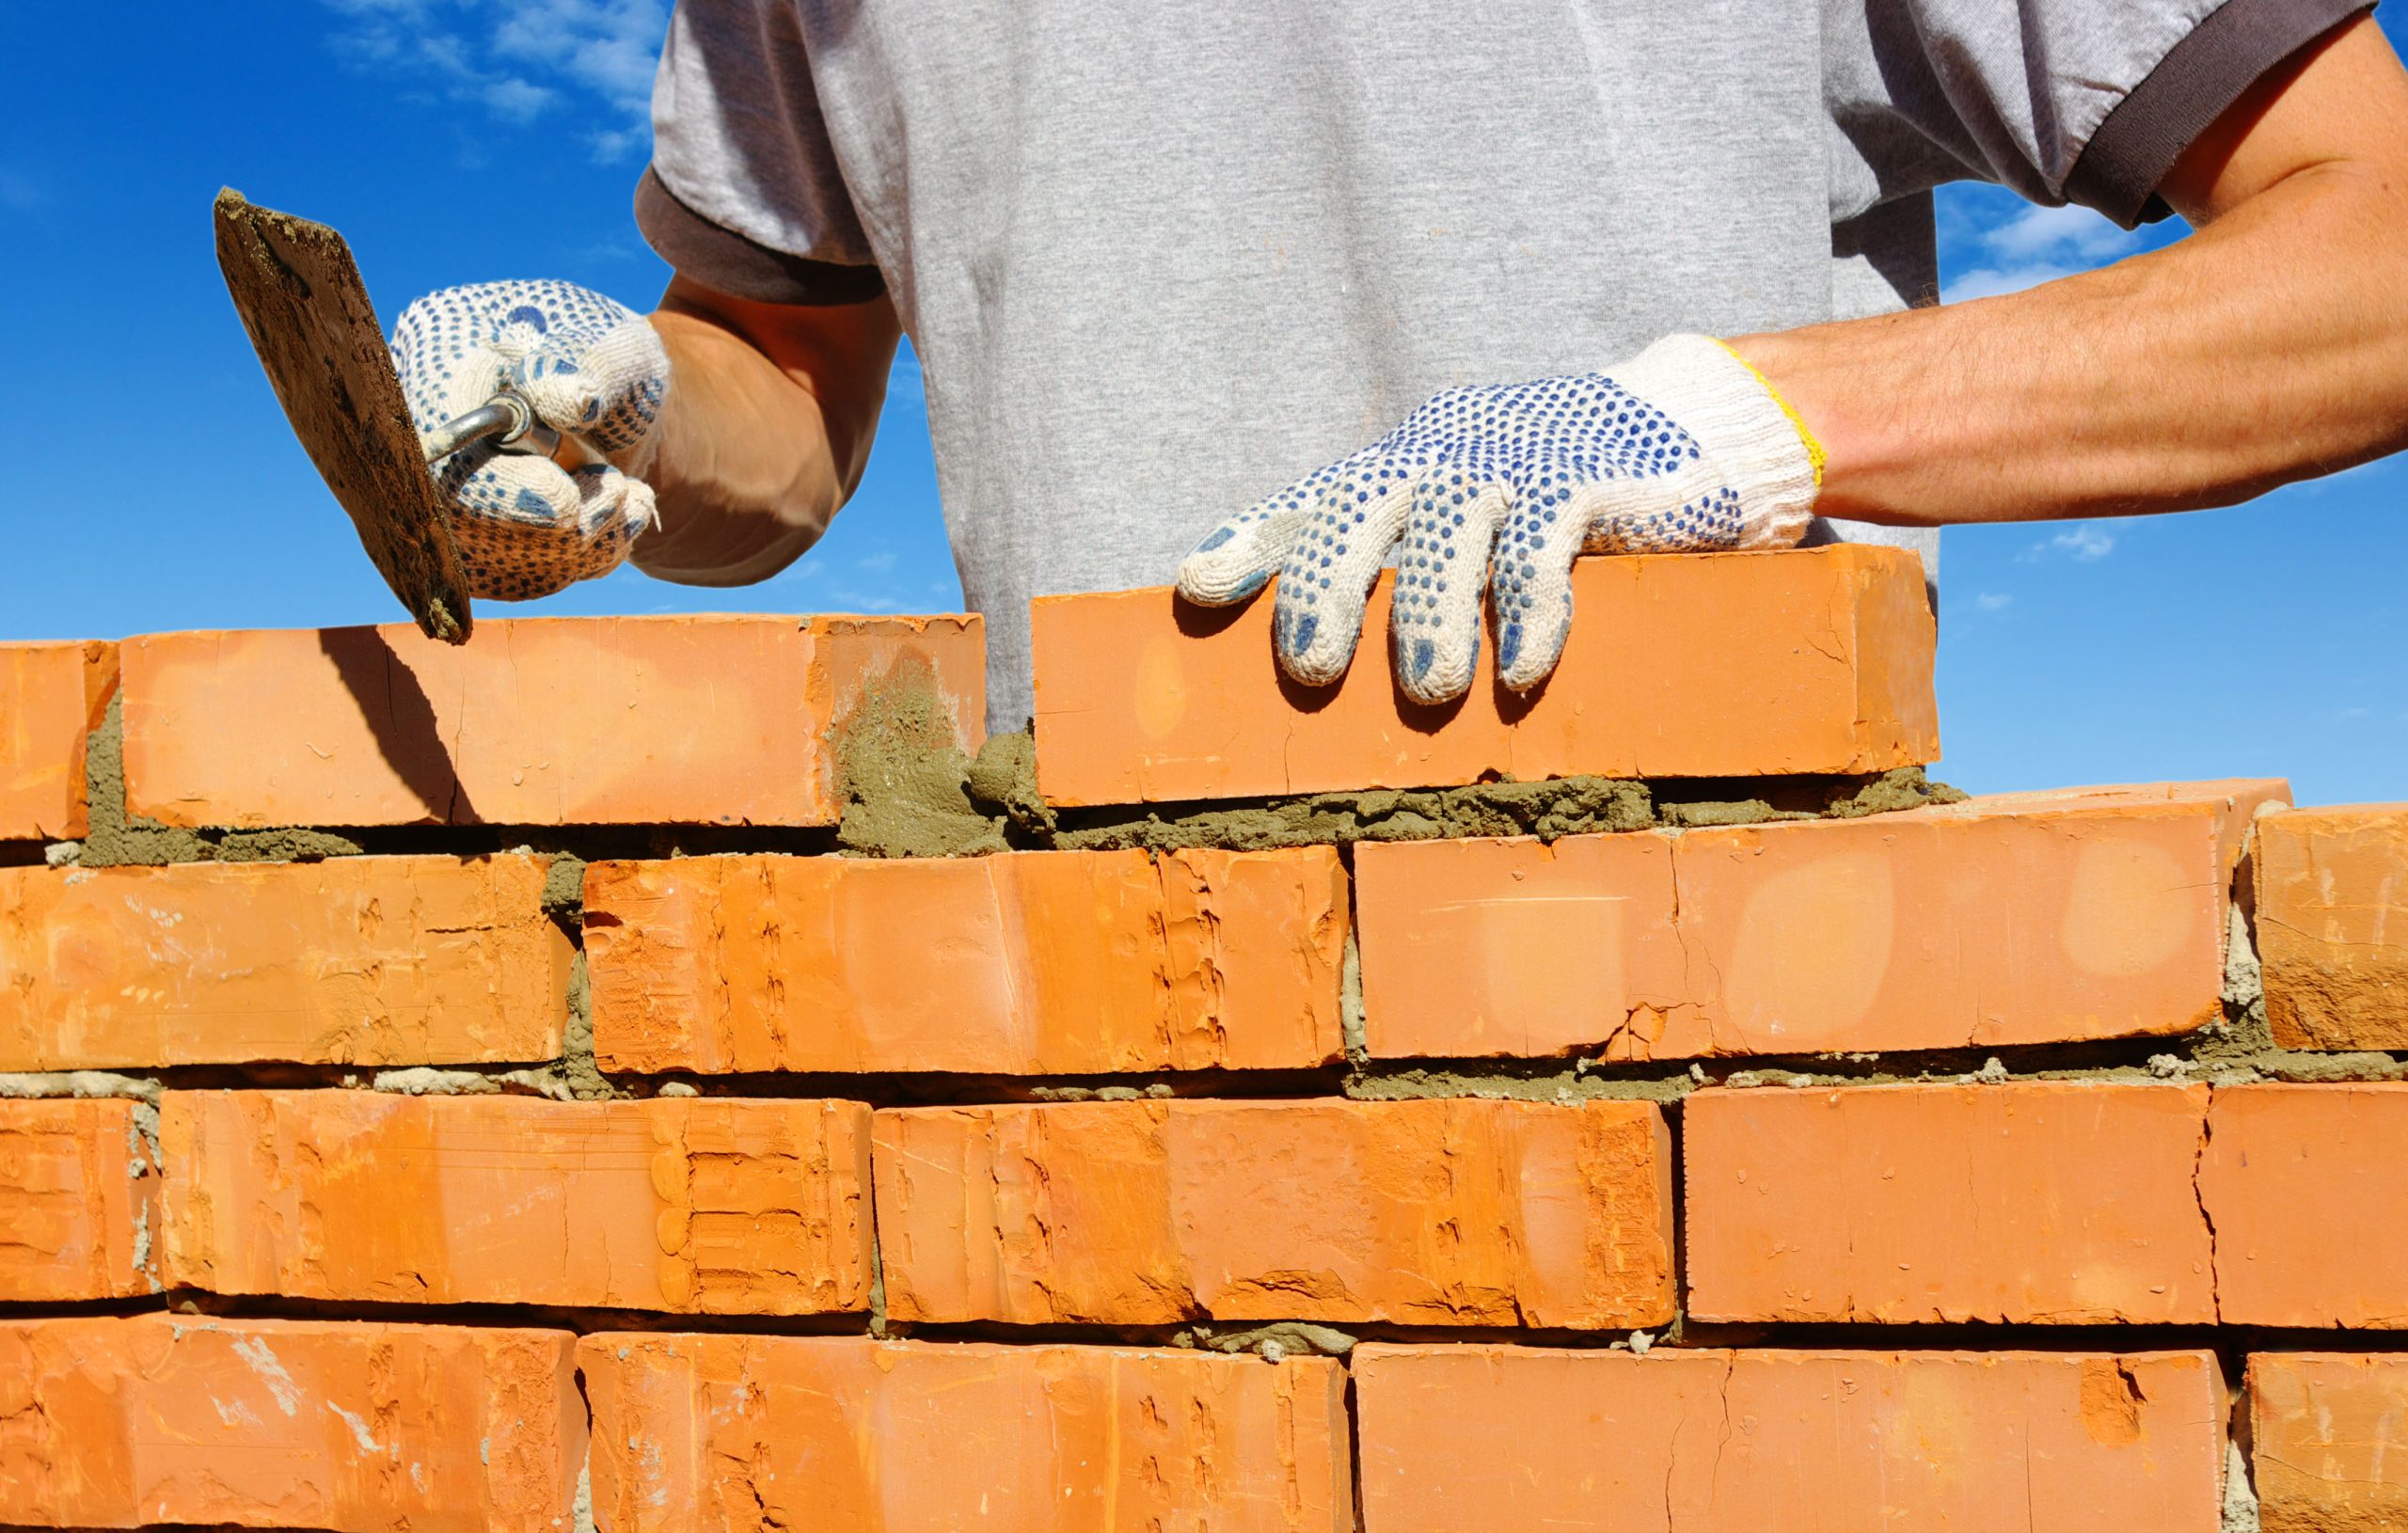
[[1157, 261]]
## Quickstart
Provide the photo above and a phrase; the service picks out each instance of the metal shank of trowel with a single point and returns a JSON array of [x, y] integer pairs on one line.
[[507, 420]]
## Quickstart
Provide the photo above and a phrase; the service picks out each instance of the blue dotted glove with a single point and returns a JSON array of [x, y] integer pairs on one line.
[[592, 369], [1683, 449]]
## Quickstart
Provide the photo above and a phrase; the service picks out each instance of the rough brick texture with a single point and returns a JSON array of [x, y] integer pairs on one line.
[[52, 697], [366, 960], [79, 1201], [705, 720], [1459, 1438], [2332, 927], [349, 1425], [2039, 1202], [1026, 963], [2304, 1185], [1443, 1213], [1984, 923], [1816, 660], [2329, 1441], [720, 1206], [841, 1435]]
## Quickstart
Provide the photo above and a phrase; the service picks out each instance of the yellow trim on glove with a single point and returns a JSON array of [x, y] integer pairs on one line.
[[1814, 449]]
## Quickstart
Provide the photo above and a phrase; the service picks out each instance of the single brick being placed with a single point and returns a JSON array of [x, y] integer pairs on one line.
[[1811, 660], [1457, 1438], [1433, 1212], [716, 1206], [1025, 963], [2035, 1202], [52, 697], [358, 960], [79, 1201], [2332, 927], [689, 721], [2329, 1441], [843, 1434], [2304, 1187], [2028, 919], [351, 1426]]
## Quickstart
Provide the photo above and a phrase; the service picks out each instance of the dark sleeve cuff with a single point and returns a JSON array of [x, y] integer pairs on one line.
[[726, 261], [2135, 149]]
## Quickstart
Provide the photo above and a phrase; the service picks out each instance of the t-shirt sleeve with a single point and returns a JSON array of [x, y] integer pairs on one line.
[[2064, 100], [744, 193]]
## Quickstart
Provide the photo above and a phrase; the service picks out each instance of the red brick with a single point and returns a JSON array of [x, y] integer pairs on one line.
[[1815, 660], [842, 1434], [362, 960], [2036, 1203], [1742, 1442], [2332, 927], [1026, 963], [52, 697], [1434, 1212], [703, 721], [2329, 1441], [2302, 1184], [710, 1204], [79, 1199], [2090, 915], [348, 1425]]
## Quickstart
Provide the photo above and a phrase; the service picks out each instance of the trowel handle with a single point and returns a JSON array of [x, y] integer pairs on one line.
[[506, 420]]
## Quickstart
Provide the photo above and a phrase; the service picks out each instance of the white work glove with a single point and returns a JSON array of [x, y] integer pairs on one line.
[[1683, 448], [592, 368]]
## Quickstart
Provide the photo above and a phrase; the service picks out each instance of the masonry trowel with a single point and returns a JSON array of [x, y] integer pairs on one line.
[[298, 292]]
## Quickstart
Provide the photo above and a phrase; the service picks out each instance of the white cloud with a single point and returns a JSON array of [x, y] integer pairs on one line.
[[587, 64], [1993, 601], [2083, 545], [2037, 246]]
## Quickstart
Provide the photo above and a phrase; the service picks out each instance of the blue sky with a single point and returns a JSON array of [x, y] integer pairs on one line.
[[155, 486]]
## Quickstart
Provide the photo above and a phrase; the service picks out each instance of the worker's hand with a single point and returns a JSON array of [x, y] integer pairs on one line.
[[592, 369], [1683, 448]]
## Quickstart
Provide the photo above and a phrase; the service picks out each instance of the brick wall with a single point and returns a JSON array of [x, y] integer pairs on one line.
[[675, 1074]]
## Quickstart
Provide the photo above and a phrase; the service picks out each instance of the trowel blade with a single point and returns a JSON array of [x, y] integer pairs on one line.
[[300, 297]]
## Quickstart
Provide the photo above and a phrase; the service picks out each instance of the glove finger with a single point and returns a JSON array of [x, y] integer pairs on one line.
[[1327, 574], [525, 528], [1441, 569], [1530, 575], [605, 390], [1237, 557]]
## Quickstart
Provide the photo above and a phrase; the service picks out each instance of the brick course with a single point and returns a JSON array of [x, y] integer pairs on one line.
[[365, 961], [718, 1206], [1452, 1212], [1029, 963], [842, 1434]]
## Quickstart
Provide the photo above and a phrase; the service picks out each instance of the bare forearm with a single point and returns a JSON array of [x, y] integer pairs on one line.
[[770, 416], [2270, 346]]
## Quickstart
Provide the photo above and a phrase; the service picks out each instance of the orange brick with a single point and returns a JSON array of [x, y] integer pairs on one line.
[[361, 960], [1815, 660], [842, 1434], [710, 1204], [2037, 1203], [52, 697], [1437, 1212], [2302, 1184], [79, 1199], [1025, 963], [703, 721], [1995, 921], [1458, 1438], [2329, 1441], [2332, 927], [348, 1425]]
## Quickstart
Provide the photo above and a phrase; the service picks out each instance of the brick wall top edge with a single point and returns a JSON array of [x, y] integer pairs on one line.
[[796, 622]]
